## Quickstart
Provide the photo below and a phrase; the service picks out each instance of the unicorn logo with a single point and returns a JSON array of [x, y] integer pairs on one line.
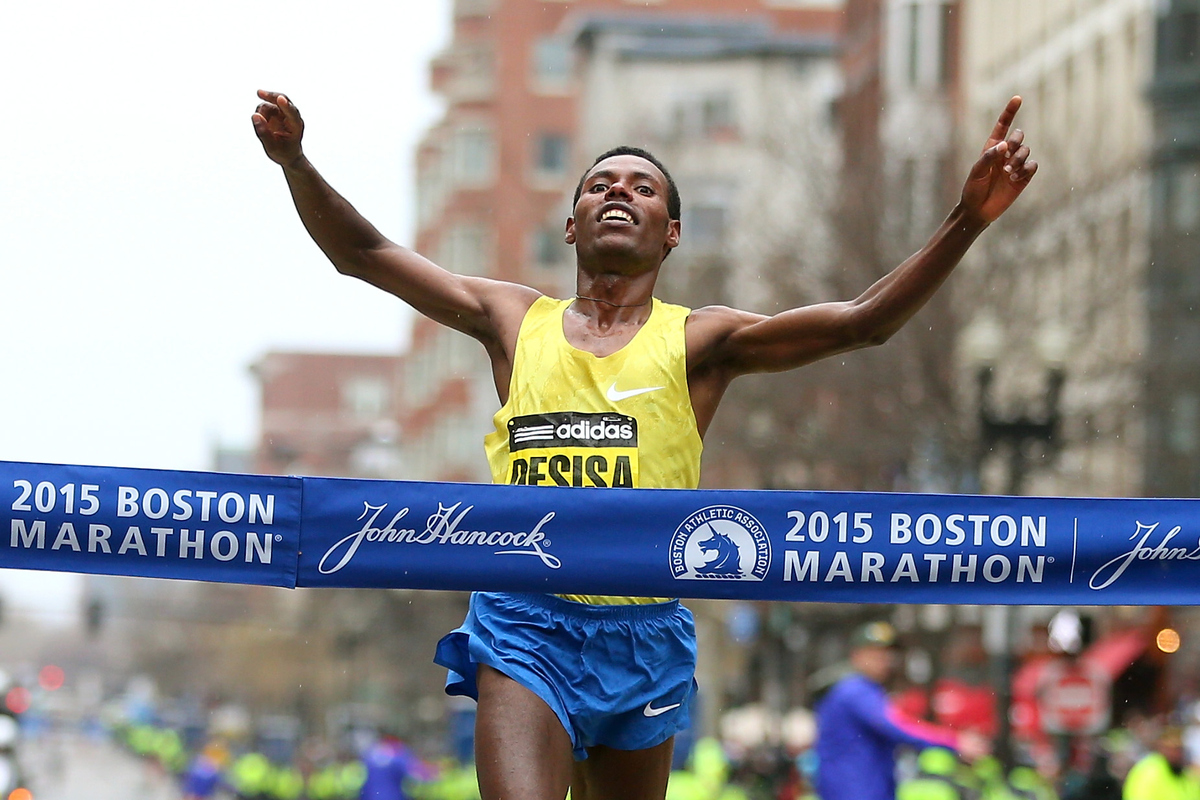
[[726, 561], [723, 543]]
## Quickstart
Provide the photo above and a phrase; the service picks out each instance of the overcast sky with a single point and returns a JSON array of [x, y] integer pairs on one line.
[[149, 250]]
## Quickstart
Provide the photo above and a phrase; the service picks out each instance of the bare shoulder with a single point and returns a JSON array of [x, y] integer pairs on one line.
[[504, 303], [709, 328], [504, 295]]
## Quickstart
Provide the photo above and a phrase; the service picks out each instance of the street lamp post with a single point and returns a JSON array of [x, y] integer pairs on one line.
[[1019, 432]]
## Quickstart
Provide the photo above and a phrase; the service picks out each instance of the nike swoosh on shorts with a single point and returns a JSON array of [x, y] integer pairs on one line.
[[649, 711], [614, 395]]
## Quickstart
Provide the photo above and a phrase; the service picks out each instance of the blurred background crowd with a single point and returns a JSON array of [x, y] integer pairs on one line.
[[62, 731]]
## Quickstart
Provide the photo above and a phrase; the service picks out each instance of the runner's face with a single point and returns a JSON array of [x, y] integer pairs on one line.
[[622, 211]]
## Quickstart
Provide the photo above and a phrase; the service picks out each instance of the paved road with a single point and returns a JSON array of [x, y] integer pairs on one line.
[[70, 767]]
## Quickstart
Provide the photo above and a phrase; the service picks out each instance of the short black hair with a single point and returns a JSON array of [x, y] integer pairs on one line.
[[673, 202]]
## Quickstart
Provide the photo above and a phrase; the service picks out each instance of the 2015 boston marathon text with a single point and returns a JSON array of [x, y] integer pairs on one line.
[[225, 526], [961, 531]]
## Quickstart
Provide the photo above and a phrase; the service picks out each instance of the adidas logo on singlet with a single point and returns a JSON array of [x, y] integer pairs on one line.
[[571, 429], [571, 448]]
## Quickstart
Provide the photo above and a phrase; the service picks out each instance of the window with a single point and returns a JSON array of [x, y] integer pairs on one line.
[[553, 60], [1187, 29], [1160, 190], [907, 195], [473, 152], [716, 114], [1185, 423], [552, 153], [463, 438], [925, 49], [1185, 198], [474, 71], [431, 188], [946, 182], [473, 8], [705, 115], [705, 227], [1176, 35], [547, 247], [465, 249], [913, 56], [418, 376], [365, 396], [707, 220], [947, 40]]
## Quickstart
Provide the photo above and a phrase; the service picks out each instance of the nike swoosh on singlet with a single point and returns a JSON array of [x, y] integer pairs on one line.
[[654, 712], [614, 395]]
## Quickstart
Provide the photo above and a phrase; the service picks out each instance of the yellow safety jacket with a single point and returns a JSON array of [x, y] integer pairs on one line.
[[1152, 779]]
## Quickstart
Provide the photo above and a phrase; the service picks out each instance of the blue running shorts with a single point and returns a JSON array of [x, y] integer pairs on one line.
[[620, 676]]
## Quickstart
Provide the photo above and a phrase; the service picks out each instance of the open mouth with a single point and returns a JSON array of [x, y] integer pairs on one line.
[[617, 215]]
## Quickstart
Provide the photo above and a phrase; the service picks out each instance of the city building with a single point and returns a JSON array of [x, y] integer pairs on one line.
[[1065, 332], [884, 410], [328, 414], [490, 178], [1172, 398], [1054, 293], [338, 414]]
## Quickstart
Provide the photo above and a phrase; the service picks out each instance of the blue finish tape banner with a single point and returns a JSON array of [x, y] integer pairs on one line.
[[150, 523], [820, 546]]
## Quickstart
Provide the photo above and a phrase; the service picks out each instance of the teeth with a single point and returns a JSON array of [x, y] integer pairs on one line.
[[616, 214]]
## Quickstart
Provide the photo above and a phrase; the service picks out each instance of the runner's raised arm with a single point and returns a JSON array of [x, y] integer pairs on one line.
[[733, 342], [486, 309]]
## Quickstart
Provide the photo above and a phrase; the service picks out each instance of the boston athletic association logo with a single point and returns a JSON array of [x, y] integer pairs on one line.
[[721, 543]]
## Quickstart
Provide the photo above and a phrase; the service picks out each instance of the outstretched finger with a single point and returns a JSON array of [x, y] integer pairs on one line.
[[1006, 118]]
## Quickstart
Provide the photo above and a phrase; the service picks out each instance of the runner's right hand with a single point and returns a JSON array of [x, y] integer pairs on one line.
[[279, 127]]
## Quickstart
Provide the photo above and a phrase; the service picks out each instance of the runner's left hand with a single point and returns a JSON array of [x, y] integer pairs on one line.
[[1002, 172]]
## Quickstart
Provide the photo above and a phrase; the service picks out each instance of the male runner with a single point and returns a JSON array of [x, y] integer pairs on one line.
[[587, 692]]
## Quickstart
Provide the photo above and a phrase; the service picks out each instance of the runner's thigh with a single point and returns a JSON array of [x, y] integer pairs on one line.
[[610, 774], [521, 749]]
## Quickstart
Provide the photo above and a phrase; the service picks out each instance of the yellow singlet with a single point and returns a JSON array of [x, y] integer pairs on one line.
[[574, 419]]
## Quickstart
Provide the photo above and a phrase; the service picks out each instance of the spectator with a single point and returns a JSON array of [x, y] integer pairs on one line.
[[1163, 774], [858, 730], [390, 764], [203, 776]]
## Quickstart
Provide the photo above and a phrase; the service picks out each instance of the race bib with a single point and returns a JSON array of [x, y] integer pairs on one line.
[[570, 448]]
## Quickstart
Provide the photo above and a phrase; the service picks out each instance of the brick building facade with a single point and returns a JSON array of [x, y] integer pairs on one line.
[[327, 414]]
